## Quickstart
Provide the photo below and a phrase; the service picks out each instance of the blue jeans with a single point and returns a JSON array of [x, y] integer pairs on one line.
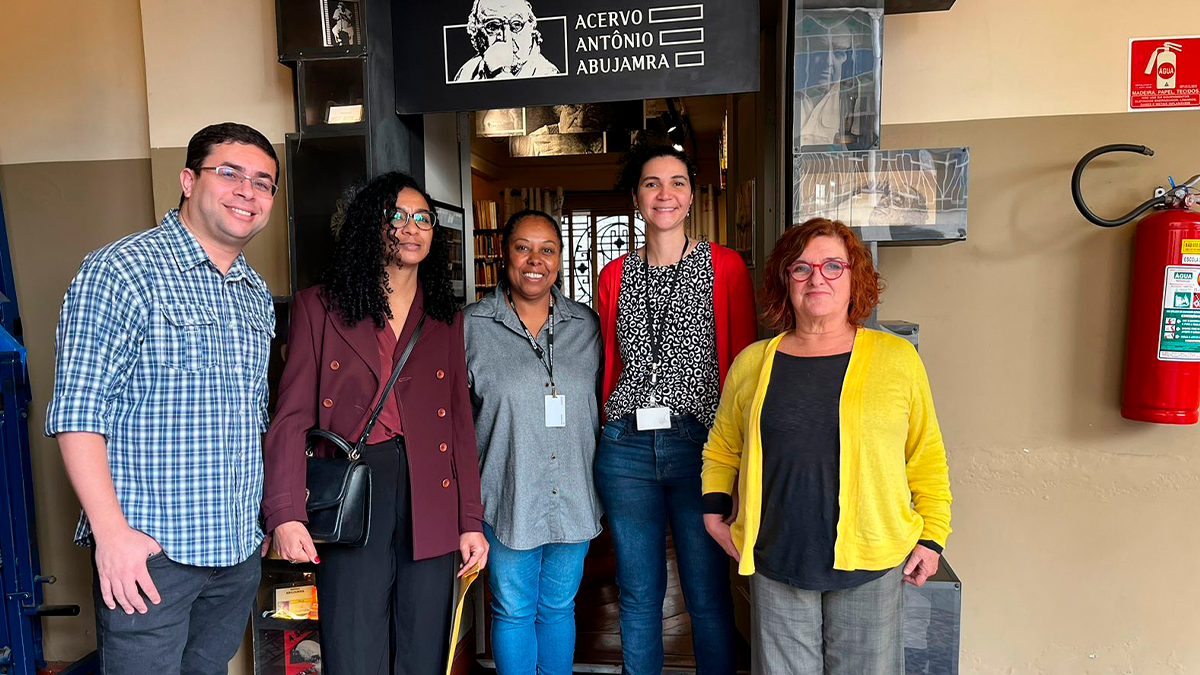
[[645, 480], [533, 606]]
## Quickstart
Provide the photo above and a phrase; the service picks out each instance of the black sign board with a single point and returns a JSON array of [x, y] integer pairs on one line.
[[482, 54]]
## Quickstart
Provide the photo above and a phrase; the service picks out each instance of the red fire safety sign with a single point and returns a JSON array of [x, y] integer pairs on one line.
[[1164, 73]]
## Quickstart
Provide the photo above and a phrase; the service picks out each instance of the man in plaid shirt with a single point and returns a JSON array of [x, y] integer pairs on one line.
[[160, 400]]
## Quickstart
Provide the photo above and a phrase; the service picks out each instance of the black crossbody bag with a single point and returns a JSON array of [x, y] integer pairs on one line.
[[338, 494]]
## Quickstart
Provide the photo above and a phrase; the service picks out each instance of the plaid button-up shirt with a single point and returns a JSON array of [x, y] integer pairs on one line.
[[167, 359]]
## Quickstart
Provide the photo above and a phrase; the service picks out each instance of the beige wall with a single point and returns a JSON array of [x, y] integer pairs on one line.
[[57, 212], [1074, 530], [74, 168], [214, 61], [1015, 58], [72, 82]]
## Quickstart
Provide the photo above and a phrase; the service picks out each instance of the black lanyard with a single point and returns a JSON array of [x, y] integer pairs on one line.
[[545, 356], [654, 343]]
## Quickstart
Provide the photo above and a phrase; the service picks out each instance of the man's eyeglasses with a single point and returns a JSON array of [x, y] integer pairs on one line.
[[830, 269], [234, 177], [495, 27], [424, 220]]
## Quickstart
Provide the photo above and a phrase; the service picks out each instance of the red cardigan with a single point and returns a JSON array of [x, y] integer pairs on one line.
[[733, 312]]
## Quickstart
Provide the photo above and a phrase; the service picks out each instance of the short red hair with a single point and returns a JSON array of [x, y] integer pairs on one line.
[[865, 282]]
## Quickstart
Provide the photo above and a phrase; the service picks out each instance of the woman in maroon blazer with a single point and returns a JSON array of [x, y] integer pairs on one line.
[[385, 607]]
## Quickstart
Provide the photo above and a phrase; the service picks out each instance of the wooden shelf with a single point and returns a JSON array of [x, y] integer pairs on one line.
[[914, 6], [269, 623]]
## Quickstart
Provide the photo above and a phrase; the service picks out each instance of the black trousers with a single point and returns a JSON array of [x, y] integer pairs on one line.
[[382, 612]]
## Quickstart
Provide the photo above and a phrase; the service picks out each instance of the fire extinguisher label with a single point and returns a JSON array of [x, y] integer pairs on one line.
[[1190, 250], [1179, 337]]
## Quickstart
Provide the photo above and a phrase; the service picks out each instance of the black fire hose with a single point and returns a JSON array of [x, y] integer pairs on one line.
[[1078, 195]]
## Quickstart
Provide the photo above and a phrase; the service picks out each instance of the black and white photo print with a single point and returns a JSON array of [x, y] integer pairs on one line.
[[504, 39]]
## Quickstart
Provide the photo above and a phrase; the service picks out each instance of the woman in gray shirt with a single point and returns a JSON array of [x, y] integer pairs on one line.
[[533, 364]]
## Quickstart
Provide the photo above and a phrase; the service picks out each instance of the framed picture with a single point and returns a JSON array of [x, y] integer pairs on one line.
[[343, 114], [548, 142], [886, 196], [341, 21], [838, 65], [743, 222], [500, 123]]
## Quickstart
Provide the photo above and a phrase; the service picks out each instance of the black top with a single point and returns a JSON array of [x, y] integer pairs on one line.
[[801, 478], [681, 299]]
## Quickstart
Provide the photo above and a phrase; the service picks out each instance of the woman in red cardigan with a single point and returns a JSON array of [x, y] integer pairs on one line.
[[673, 316], [385, 606]]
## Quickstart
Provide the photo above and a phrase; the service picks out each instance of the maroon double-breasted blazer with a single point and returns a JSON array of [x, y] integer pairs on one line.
[[330, 377]]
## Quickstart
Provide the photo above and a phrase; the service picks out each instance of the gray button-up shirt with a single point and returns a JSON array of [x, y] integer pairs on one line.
[[537, 481]]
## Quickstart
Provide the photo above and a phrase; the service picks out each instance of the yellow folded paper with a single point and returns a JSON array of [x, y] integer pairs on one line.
[[467, 580]]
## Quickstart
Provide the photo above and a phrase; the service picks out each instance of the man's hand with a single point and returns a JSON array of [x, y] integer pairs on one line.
[[121, 566], [292, 542], [922, 564], [718, 529], [474, 550]]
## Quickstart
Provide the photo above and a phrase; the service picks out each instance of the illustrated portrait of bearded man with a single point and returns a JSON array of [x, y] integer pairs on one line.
[[507, 43]]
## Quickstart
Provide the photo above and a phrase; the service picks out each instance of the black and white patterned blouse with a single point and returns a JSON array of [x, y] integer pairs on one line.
[[688, 373]]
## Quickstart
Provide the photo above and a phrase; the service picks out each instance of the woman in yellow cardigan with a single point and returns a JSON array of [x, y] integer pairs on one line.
[[829, 431]]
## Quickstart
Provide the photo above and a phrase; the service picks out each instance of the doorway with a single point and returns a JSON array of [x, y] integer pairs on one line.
[[519, 160]]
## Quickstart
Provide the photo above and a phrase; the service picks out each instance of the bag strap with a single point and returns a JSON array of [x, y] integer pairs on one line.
[[412, 342]]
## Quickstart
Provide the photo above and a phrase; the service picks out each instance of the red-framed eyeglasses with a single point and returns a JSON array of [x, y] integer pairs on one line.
[[830, 269]]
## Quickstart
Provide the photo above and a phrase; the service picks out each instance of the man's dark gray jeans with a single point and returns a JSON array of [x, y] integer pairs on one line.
[[195, 630]]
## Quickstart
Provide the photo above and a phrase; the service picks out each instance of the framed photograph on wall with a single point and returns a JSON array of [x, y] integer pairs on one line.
[[341, 21], [500, 123], [743, 222]]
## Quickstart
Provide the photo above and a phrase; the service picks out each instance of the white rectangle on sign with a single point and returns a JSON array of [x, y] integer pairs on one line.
[[689, 59], [676, 13], [680, 36]]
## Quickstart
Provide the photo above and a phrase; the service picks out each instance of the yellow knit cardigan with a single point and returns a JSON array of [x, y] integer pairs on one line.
[[895, 487]]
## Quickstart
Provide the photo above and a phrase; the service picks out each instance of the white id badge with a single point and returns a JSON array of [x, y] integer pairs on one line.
[[556, 410], [649, 419]]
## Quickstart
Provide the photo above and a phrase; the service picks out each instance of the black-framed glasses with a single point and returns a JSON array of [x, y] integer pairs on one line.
[[495, 27], [830, 269], [424, 220], [234, 177]]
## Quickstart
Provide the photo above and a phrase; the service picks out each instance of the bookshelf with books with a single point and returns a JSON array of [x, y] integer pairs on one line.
[[487, 246]]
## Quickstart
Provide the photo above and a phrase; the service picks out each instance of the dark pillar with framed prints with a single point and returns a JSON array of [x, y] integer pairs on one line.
[[347, 128]]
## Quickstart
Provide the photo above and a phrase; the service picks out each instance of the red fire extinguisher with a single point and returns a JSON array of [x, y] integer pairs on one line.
[[1162, 345]]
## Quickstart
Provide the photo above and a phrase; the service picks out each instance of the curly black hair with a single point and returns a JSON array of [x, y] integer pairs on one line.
[[630, 174], [355, 282]]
